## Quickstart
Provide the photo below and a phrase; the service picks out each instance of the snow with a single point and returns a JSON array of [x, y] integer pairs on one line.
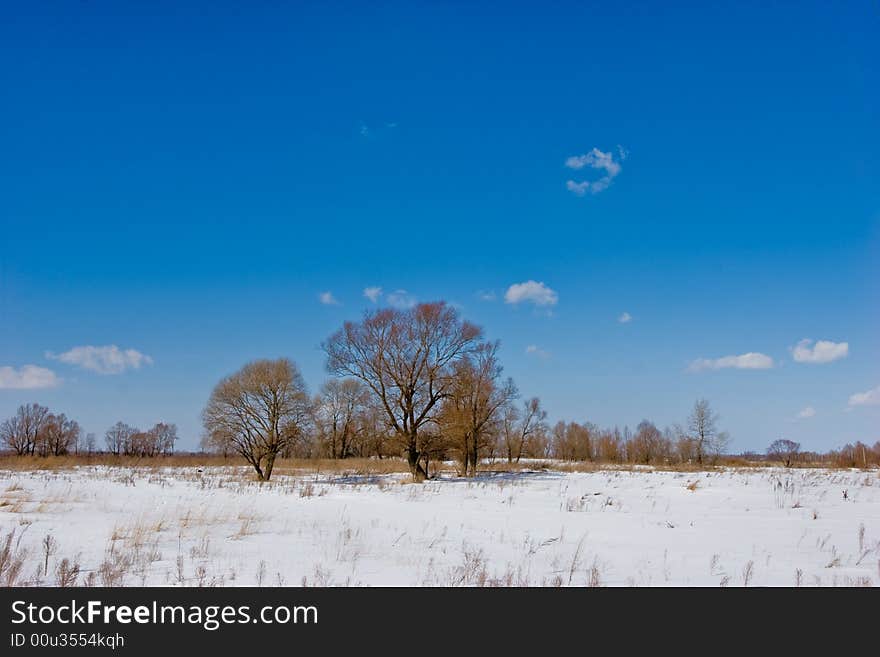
[[179, 526]]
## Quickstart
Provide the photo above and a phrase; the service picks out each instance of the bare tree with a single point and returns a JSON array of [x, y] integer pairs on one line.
[[474, 405], [22, 432], [646, 445], [157, 440], [608, 447], [58, 436], [703, 432], [164, 436], [339, 411], [406, 358], [259, 411], [573, 441], [376, 431], [518, 427], [784, 450], [118, 438]]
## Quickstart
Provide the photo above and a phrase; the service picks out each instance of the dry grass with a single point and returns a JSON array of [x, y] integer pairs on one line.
[[360, 466], [12, 559]]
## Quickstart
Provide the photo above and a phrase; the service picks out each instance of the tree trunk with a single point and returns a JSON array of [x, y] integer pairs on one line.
[[475, 453], [465, 456], [270, 463], [413, 458]]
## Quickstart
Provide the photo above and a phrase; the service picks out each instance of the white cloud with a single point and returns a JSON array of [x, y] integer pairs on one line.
[[534, 350], [868, 398], [824, 351], [625, 318], [328, 299], [595, 159], [807, 412], [749, 361], [28, 377], [533, 292], [373, 293], [109, 359], [371, 132], [400, 299], [486, 295], [580, 188]]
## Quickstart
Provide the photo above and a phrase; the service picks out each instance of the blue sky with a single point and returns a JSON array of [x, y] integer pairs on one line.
[[185, 181]]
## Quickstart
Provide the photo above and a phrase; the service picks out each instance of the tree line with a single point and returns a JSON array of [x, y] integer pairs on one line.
[[418, 383], [424, 384], [36, 431]]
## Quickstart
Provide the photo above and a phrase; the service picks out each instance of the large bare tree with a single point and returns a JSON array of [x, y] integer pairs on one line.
[[258, 412], [406, 358]]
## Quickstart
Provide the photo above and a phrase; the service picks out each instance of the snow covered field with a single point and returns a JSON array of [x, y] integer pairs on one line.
[[179, 526]]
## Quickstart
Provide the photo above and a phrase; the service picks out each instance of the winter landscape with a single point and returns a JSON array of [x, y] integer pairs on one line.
[[438, 294], [216, 526]]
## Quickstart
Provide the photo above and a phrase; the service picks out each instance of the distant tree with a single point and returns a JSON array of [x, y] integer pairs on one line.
[[646, 445], [339, 411], [376, 432], [703, 432], [519, 426], [59, 435], [23, 431], [573, 441], [216, 443], [163, 436], [159, 439], [118, 438], [784, 450], [407, 359], [609, 448], [259, 411], [476, 399]]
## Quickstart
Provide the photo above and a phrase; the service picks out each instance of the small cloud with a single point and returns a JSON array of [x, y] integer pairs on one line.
[[868, 398], [328, 299], [533, 350], [595, 159], [486, 295], [823, 351], [625, 318], [372, 132], [27, 377], [532, 292], [373, 293], [807, 412], [400, 299], [749, 361], [579, 189], [109, 359]]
